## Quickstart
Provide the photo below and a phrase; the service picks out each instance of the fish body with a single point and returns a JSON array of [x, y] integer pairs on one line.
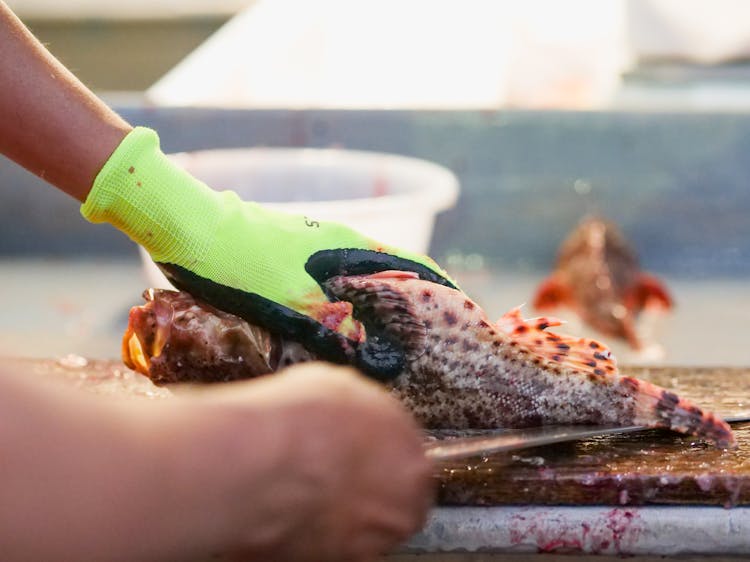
[[454, 368], [462, 371], [597, 275]]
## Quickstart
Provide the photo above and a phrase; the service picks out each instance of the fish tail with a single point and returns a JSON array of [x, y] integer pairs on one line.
[[659, 407]]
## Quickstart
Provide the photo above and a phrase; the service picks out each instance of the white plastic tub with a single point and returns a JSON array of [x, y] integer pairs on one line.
[[393, 199]]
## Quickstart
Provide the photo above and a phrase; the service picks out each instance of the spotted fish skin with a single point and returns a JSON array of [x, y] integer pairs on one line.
[[462, 371]]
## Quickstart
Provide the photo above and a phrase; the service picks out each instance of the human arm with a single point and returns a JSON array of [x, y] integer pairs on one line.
[[311, 464], [83, 480], [50, 123]]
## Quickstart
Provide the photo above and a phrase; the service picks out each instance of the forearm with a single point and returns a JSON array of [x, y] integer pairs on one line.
[[50, 123], [286, 467], [87, 479]]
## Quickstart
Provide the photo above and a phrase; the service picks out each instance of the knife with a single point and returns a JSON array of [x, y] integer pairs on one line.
[[515, 439]]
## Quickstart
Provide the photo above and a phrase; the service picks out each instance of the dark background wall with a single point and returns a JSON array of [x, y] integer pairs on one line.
[[677, 183]]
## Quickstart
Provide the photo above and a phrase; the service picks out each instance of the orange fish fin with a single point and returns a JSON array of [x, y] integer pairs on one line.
[[658, 407], [512, 319], [579, 353], [550, 294], [648, 292]]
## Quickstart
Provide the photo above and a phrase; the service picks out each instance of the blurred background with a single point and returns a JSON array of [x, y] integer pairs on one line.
[[546, 111]]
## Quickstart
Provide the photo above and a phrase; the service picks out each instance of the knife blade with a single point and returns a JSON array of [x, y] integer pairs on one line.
[[516, 439]]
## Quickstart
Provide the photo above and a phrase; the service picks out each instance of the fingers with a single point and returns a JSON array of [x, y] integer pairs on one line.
[[401, 509], [355, 458]]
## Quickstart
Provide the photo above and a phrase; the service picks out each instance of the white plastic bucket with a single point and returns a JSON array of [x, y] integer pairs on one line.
[[393, 199]]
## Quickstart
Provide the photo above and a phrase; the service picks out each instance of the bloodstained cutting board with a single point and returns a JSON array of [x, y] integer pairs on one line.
[[651, 467]]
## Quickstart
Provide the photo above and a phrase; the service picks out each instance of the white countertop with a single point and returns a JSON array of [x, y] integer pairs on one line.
[[606, 530]]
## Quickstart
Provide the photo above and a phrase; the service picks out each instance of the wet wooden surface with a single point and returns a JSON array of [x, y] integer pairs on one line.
[[651, 467], [102, 377]]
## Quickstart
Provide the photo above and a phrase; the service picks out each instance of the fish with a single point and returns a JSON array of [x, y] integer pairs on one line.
[[458, 370], [512, 374], [597, 275], [174, 337]]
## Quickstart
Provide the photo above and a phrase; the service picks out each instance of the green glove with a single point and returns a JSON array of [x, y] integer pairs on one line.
[[236, 255]]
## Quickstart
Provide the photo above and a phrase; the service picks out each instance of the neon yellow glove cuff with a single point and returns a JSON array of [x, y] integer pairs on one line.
[[156, 203]]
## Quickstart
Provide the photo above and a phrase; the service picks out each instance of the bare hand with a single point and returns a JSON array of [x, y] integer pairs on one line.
[[315, 463]]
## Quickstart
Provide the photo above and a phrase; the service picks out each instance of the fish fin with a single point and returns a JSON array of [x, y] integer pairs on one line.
[[550, 294], [579, 353], [648, 292], [509, 321], [658, 407], [394, 332]]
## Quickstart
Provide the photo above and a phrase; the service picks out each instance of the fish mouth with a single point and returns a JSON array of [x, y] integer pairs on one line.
[[132, 352], [147, 332]]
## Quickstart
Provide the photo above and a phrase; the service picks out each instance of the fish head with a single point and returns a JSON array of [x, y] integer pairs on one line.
[[174, 337], [599, 240], [592, 297], [596, 262]]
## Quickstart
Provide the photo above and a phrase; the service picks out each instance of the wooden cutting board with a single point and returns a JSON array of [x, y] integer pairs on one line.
[[651, 467]]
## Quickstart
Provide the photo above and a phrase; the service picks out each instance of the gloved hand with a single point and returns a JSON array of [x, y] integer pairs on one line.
[[238, 256]]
